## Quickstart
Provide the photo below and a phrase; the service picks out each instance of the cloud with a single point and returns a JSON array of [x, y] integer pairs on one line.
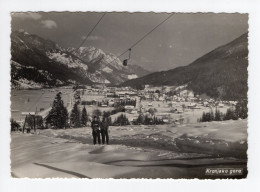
[[33, 16], [94, 38], [170, 46], [49, 24], [83, 37]]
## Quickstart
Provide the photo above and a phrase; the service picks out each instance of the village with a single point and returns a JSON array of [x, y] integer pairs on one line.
[[170, 104]]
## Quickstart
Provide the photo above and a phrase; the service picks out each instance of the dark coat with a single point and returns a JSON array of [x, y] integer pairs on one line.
[[95, 125], [104, 126]]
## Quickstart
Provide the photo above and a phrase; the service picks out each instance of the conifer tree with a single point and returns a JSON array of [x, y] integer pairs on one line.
[[241, 109], [58, 115], [121, 120], [211, 116], [230, 114], [217, 115], [84, 116], [204, 119], [107, 120], [75, 116]]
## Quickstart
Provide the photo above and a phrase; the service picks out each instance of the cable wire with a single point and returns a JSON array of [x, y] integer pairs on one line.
[[143, 37], [90, 32]]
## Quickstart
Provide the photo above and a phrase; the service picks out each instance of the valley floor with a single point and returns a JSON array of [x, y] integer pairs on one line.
[[161, 151]]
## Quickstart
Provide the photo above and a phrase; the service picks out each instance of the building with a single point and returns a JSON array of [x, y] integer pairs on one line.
[[186, 93], [129, 108]]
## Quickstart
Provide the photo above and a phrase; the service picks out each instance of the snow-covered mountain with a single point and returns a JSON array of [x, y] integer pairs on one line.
[[87, 65], [108, 64]]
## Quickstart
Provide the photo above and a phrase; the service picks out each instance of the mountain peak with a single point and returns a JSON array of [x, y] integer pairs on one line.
[[87, 65]]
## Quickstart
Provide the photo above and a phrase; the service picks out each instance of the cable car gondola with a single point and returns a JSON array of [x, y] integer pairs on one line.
[[125, 61]]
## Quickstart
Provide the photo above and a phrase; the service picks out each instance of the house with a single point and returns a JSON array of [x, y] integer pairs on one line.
[[111, 103], [98, 86], [192, 105], [186, 93], [205, 104], [134, 111], [129, 108], [20, 122], [112, 95], [161, 98], [88, 87], [166, 89], [233, 103]]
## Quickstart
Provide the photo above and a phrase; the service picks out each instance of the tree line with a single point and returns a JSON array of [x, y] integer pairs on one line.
[[121, 103], [146, 120], [240, 111], [58, 116]]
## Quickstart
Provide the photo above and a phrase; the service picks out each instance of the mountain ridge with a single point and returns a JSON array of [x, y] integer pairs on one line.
[[220, 73], [65, 66]]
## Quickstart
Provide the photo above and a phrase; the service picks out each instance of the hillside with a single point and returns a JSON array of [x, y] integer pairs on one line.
[[37, 62], [221, 73], [108, 64]]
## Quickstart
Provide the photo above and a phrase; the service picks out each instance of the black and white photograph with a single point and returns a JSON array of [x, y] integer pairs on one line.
[[129, 95]]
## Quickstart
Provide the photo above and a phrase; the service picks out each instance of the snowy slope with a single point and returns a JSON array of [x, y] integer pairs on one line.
[[134, 152], [25, 77], [86, 65], [108, 64]]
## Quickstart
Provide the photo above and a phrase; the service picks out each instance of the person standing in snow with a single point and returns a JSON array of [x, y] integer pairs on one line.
[[95, 125], [104, 130]]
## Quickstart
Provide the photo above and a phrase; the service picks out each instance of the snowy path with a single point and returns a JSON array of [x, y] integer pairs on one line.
[[38, 156]]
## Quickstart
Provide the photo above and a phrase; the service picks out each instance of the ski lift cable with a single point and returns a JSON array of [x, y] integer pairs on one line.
[[150, 31], [90, 32], [129, 49], [129, 56]]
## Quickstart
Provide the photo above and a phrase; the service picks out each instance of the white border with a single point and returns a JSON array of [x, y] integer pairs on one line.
[[243, 6]]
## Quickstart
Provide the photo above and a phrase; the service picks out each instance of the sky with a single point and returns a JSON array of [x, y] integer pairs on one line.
[[179, 41]]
